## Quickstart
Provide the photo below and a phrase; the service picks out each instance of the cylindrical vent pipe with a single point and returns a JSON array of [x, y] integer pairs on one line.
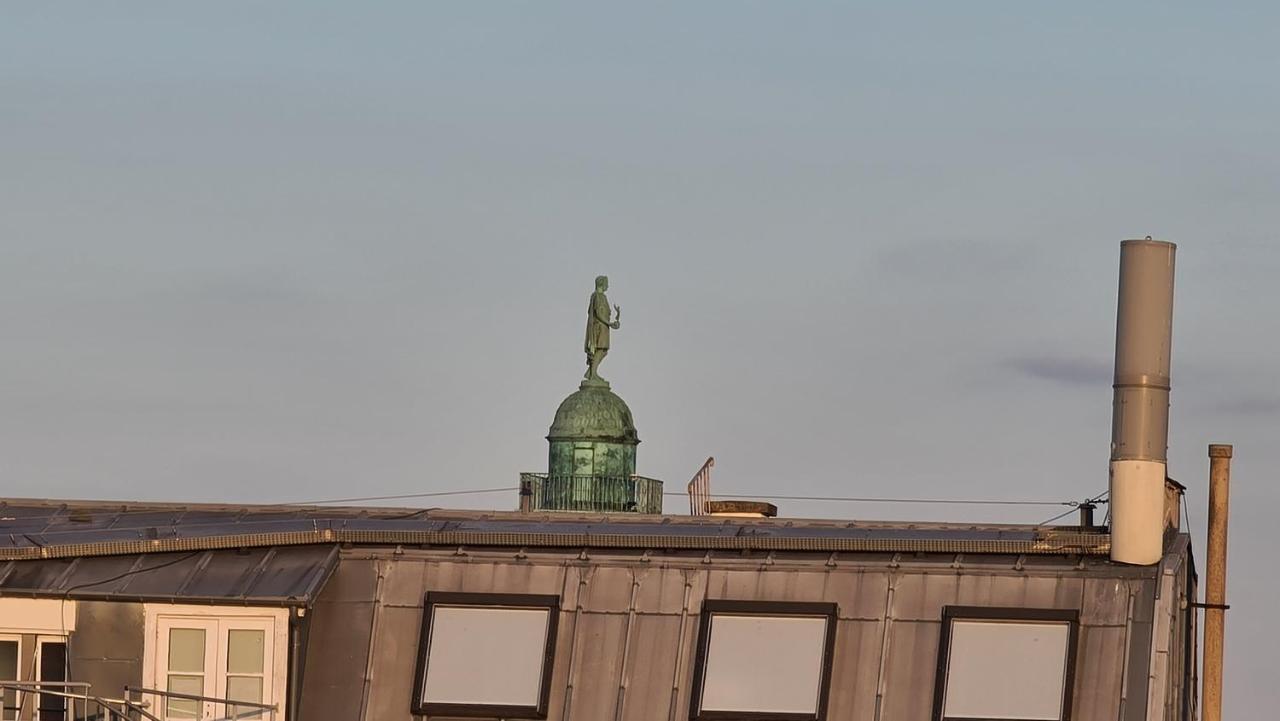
[[1215, 594], [1140, 415]]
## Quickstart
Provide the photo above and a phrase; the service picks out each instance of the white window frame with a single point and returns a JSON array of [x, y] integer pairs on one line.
[[990, 614], [711, 608], [48, 619], [37, 671], [274, 620], [16, 637]]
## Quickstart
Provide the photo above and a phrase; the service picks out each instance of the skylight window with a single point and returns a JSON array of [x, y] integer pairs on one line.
[[764, 660], [486, 655], [1002, 663]]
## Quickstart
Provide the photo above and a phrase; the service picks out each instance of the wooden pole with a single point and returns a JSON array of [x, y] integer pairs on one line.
[[1215, 581]]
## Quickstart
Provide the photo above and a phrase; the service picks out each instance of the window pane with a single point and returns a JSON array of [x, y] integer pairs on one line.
[[9, 672], [184, 708], [53, 668], [764, 663], [244, 688], [245, 650], [53, 661], [186, 649], [9, 660], [486, 655], [1006, 670]]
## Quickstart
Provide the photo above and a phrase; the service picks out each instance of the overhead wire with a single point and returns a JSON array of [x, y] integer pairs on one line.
[[1072, 505], [1100, 498], [178, 508], [68, 511], [134, 572], [864, 499], [432, 494], [1067, 512], [62, 602]]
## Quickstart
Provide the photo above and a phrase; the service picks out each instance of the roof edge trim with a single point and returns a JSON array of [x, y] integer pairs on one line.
[[1086, 544]]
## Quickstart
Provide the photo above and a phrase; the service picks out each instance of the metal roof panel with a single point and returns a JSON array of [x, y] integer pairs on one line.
[[46, 529], [286, 576]]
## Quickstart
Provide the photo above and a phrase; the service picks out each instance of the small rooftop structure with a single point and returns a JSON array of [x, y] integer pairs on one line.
[[588, 604]]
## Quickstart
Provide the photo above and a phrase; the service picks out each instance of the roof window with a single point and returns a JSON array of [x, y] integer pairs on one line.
[[1005, 663], [763, 660], [486, 655]]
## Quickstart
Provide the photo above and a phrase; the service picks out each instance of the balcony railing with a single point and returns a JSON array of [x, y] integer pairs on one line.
[[220, 709], [67, 701], [75, 701], [637, 494]]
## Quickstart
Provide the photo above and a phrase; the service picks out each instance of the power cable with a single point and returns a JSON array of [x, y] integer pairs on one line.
[[134, 572], [1060, 515], [855, 499], [62, 602], [67, 512], [1100, 498], [434, 494], [1072, 505]]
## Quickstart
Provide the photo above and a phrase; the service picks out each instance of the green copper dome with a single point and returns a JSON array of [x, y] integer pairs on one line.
[[593, 437], [594, 413]]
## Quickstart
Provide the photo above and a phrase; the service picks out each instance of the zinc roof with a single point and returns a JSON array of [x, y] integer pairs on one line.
[[32, 529], [288, 576]]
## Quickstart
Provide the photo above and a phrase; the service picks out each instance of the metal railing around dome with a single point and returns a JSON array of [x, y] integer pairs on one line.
[[637, 494]]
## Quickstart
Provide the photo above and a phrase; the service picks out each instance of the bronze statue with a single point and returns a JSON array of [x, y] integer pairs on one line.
[[598, 325]]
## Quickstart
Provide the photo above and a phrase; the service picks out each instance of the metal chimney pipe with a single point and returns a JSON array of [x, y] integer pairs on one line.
[[1140, 413], [1215, 594]]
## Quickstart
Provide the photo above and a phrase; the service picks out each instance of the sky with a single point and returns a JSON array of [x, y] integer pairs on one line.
[[285, 252]]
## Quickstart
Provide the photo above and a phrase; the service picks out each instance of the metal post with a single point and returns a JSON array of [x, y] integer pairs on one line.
[[1215, 605]]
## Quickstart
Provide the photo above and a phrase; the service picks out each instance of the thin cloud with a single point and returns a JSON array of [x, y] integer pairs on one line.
[[1249, 405], [1092, 372]]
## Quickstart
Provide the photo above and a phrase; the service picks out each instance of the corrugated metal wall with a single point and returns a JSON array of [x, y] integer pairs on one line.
[[366, 623], [1174, 678], [106, 648]]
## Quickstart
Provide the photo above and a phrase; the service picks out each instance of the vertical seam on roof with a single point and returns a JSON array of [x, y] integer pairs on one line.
[[133, 573], [886, 637], [196, 572], [48, 523], [374, 618], [66, 573], [254, 575]]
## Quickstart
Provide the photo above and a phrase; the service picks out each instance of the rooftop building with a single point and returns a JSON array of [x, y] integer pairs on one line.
[[587, 603], [643, 617]]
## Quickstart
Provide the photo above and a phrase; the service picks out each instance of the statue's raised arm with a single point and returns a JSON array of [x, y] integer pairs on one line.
[[599, 323]]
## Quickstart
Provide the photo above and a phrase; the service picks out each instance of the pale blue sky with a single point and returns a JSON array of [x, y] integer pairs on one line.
[[289, 251]]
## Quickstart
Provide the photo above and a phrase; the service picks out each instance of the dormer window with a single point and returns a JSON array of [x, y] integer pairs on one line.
[[486, 655], [763, 660], [1005, 663]]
